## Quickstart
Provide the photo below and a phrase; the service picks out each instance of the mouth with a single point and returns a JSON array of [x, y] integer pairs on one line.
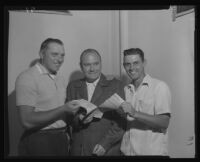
[[92, 73], [57, 64], [132, 72]]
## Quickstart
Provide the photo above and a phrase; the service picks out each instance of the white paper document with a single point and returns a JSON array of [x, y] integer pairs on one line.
[[90, 108], [113, 102]]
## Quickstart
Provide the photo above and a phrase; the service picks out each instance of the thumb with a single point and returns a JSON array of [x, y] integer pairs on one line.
[[95, 148]]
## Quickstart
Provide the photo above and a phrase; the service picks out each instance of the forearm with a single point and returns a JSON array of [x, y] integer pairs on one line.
[[154, 121], [40, 119]]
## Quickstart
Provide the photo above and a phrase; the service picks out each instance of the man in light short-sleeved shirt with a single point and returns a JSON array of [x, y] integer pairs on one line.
[[148, 109], [40, 98], [37, 88]]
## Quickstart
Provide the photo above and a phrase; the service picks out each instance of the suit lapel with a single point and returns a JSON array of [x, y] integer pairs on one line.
[[81, 90]]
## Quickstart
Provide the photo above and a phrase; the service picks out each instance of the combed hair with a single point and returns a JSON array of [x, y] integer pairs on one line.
[[47, 41], [89, 51], [134, 51]]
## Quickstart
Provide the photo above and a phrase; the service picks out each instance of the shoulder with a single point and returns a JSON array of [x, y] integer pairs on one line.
[[75, 83], [116, 81], [25, 77], [159, 85]]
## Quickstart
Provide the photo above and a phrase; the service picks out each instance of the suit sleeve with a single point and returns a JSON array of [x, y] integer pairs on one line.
[[74, 121], [69, 93], [115, 133]]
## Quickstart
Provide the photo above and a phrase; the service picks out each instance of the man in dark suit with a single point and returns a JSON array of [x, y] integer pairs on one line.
[[101, 133]]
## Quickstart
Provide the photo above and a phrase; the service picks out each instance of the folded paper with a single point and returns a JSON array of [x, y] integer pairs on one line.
[[112, 102]]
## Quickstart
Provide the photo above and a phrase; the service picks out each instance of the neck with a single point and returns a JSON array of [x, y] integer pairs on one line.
[[91, 81], [137, 82], [49, 71]]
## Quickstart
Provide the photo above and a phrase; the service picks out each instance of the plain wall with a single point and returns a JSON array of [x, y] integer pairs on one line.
[[169, 49], [82, 30]]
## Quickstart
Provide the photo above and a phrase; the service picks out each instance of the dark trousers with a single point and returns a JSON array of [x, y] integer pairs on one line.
[[54, 142]]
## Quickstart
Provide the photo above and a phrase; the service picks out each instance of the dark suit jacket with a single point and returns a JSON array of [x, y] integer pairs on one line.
[[107, 131]]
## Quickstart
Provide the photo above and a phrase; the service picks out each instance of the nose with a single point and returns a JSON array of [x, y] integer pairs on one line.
[[60, 59], [91, 68], [132, 66]]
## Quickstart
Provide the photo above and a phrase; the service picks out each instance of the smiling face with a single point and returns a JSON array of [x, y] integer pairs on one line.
[[134, 67], [53, 57], [91, 66]]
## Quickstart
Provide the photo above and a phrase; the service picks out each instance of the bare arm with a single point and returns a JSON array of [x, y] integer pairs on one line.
[[155, 121], [31, 119]]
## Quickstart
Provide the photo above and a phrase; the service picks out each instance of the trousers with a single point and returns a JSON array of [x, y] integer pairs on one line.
[[50, 142]]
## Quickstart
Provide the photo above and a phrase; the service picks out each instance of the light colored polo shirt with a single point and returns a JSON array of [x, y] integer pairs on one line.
[[152, 97], [37, 88]]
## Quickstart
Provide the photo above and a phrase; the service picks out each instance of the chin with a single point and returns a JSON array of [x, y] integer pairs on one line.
[[92, 79]]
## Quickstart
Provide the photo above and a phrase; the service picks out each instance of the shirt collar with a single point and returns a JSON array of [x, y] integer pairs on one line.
[[94, 83], [43, 70], [145, 82]]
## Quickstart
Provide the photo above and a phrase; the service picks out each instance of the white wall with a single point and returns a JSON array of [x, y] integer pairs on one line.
[[169, 50], [82, 30]]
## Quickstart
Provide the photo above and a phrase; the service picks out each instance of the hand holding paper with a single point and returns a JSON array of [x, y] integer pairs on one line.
[[91, 111], [88, 106]]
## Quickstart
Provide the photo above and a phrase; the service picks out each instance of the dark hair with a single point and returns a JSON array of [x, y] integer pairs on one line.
[[45, 43], [134, 51], [89, 51]]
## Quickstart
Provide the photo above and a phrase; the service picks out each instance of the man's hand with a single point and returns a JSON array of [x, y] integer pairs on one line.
[[128, 108], [88, 119], [72, 106], [98, 150]]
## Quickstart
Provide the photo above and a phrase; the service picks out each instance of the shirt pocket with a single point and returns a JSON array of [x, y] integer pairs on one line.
[[146, 106]]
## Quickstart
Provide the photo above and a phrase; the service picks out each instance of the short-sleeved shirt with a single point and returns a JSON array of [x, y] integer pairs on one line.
[[152, 97], [35, 87]]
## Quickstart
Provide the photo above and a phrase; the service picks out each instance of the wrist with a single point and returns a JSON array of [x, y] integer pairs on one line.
[[133, 113]]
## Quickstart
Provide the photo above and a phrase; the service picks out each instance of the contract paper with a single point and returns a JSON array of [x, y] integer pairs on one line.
[[112, 102]]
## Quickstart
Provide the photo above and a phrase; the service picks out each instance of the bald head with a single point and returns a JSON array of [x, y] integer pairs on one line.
[[90, 63]]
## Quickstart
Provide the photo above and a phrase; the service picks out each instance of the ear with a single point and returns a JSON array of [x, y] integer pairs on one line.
[[145, 62], [41, 55], [80, 66]]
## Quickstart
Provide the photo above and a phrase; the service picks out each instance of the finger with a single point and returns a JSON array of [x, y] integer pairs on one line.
[[100, 152], [75, 102], [95, 149], [87, 121], [89, 118], [81, 116]]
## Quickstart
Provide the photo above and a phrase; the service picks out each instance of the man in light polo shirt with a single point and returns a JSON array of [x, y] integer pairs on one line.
[[40, 98], [148, 109]]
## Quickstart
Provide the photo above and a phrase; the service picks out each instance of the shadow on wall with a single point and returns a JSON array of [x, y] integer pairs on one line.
[[15, 128], [76, 75], [125, 79], [34, 62]]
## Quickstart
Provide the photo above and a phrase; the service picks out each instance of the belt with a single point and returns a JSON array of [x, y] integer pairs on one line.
[[56, 130], [62, 130]]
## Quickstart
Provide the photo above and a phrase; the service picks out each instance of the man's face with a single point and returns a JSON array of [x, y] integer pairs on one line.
[[134, 66], [53, 57], [91, 66]]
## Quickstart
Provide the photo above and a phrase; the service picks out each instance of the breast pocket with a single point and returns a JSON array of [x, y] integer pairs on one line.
[[146, 106]]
